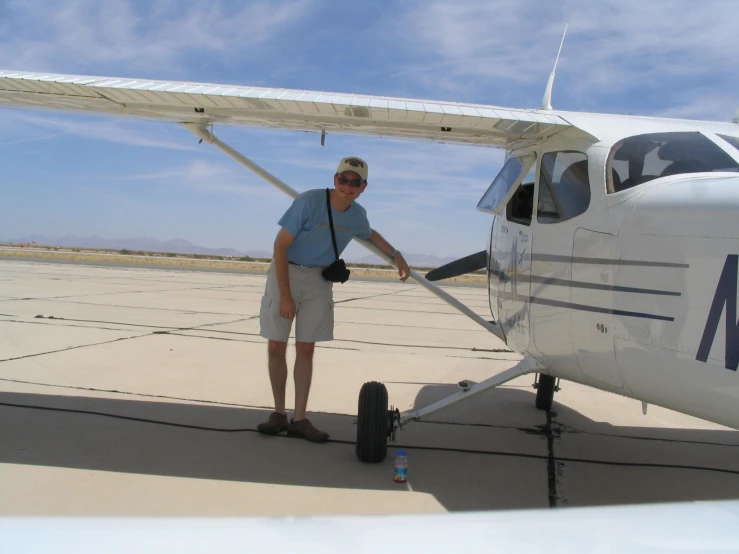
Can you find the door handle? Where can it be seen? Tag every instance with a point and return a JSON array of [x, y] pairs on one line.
[[504, 228]]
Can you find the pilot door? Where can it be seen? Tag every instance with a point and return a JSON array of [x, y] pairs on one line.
[[511, 199]]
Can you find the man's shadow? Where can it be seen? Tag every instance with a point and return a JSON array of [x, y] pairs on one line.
[[490, 452]]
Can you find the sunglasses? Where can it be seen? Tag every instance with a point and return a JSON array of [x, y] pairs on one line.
[[356, 183]]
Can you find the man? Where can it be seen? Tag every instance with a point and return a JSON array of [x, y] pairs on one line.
[[297, 290]]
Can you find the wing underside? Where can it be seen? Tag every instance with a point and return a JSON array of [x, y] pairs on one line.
[[183, 102]]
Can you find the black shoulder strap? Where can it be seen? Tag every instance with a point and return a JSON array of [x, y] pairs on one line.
[[331, 222]]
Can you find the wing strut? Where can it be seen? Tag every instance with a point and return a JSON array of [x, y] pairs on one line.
[[202, 132]]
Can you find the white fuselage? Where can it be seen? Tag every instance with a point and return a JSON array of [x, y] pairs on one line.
[[637, 294]]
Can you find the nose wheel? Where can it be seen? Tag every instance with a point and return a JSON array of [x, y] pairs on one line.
[[375, 424]]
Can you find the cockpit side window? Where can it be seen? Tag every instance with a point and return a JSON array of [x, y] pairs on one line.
[[520, 207], [642, 158], [734, 141], [564, 186]]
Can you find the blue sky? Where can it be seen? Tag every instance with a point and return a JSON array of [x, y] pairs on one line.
[[83, 175]]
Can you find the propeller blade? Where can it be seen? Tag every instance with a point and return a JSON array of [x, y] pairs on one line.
[[468, 264]]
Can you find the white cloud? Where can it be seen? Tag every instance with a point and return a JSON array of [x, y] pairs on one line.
[[86, 35], [105, 129], [207, 176], [612, 48], [48, 136], [703, 103], [418, 173]]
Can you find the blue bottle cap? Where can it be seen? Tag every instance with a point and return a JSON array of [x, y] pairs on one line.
[[401, 452]]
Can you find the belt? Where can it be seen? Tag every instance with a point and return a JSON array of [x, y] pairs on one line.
[[306, 266]]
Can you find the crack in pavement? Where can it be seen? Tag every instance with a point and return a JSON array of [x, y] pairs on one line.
[[71, 348], [454, 313], [55, 318], [112, 293], [553, 467], [261, 341], [179, 310], [172, 327], [144, 395], [352, 341], [172, 330], [483, 357], [165, 328], [256, 316], [65, 325], [367, 297], [223, 323], [158, 332], [95, 279], [480, 330], [428, 302], [569, 430], [427, 346]]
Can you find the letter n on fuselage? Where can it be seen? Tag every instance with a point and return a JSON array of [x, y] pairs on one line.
[[726, 295]]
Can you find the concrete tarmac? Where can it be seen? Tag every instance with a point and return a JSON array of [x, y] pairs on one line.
[[137, 391]]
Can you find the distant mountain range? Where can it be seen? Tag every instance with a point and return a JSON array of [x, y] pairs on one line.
[[181, 246]]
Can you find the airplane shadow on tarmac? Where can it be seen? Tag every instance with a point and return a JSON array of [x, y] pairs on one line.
[[494, 451]]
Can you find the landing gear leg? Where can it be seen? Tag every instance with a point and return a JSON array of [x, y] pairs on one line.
[[545, 386]]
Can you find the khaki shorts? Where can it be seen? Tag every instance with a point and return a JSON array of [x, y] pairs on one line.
[[314, 303]]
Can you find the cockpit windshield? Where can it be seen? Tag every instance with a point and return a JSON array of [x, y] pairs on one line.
[[642, 158], [500, 190]]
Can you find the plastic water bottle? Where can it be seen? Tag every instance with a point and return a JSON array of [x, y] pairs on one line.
[[401, 467]]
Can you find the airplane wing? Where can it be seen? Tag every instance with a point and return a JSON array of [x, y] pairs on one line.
[[197, 105], [710, 526], [206, 103]]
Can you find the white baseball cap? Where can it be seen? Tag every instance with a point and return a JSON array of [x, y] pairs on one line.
[[357, 165]]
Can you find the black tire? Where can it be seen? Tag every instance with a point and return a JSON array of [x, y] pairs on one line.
[[545, 392], [373, 423]]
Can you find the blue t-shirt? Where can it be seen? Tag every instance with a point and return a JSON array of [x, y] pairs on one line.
[[307, 221]]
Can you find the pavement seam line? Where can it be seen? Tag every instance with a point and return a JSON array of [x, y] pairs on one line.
[[72, 348], [67, 325], [576, 432], [180, 311], [368, 297], [551, 463]]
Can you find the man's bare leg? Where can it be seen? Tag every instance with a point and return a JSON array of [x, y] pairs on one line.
[[303, 375], [277, 363]]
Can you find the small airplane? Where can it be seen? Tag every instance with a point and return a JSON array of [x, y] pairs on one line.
[[613, 253]]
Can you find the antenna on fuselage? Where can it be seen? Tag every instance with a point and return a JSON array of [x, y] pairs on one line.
[[546, 103]]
